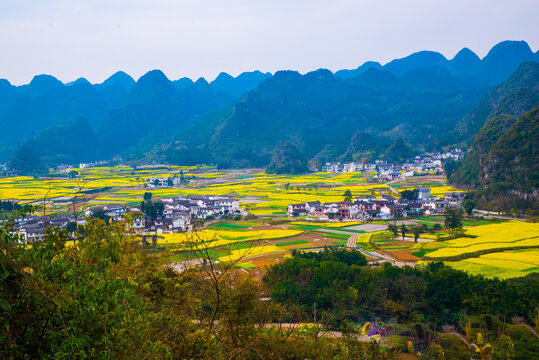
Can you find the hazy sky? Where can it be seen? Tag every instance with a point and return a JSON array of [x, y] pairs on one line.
[[95, 38]]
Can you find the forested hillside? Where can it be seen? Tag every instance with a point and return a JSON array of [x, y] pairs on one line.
[[502, 164], [124, 114], [518, 94], [317, 110], [66, 143], [502, 161]]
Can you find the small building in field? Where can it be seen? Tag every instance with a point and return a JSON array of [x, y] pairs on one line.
[[423, 193], [297, 209], [454, 198]]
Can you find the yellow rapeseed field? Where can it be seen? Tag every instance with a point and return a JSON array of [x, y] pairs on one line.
[[494, 236], [365, 238], [503, 265], [272, 192], [225, 237], [439, 191], [267, 212], [251, 252]]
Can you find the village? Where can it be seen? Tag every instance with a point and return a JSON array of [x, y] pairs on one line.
[[177, 214], [384, 171], [166, 215], [385, 208]]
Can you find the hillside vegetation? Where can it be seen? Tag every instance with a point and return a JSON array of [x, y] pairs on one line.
[[109, 296]]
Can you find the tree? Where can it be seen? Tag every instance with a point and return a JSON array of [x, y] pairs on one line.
[[182, 177], [416, 231], [403, 231], [170, 182], [159, 208], [410, 194], [71, 226], [468, 206], [79, 200], [453, 220], [286, 186], [152, 209], [347, 195], [101, 214], [147, 196], [393, 228], [73, 174]]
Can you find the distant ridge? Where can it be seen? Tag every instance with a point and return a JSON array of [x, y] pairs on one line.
[[416, 60], [155, 109], [501, 61], [79, 81], [119, 78], [347, 74], [237, 86], [41, 84], [465, 62], [183, 82]]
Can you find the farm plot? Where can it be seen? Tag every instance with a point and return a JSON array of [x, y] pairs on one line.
[[249, 252], [508, 235], [216, 238], [503, 265]]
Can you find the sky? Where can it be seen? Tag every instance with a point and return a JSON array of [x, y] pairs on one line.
[[95, 38]]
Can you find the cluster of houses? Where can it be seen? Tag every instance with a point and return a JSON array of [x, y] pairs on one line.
[[386, 207], [388, 171], [89, 165], [177, 214], [162, 181], [32, 228]]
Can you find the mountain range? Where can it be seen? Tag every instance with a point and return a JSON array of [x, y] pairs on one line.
[[417, 103], [493, 69]]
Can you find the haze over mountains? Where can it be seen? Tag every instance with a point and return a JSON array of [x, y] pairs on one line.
[[419, 101]]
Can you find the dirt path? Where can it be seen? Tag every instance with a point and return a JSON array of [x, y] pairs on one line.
[[352, 241], [184, 265], [392, 189]]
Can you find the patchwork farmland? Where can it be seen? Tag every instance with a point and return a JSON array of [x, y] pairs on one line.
[[265, 234]]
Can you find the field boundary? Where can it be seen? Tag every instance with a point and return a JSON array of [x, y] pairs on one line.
[[386, 253]]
